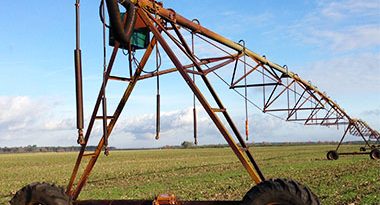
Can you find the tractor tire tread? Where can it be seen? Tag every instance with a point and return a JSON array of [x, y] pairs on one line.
[[273, 189], [44, 193]]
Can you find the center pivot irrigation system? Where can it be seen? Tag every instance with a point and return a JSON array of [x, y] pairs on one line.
[[147, 29]]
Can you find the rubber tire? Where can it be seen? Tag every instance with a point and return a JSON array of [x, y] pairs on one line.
[[41, 193], [332, 155], [280, 191], [375, 154]]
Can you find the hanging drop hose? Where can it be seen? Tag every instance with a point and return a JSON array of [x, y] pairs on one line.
[[78, 76], [104, 98], [101, 14], [122, 35], [158, 117], [158, 99], [245, 92], [194, 108]]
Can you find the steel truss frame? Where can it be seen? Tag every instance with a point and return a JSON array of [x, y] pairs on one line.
[[304, 102]]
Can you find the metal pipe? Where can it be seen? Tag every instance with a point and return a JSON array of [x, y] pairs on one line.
[[123, 35], [195, 129], [82, 181], [196, 28], [194, 97], [252, 172], [344, 135], [91, 123], [158, 99], [260, 176], [158, 116], [78, 74], [77, 23], [104, 98]]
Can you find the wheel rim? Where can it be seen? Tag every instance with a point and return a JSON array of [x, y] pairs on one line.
[[375, 154], [332, 155], [329, 155]]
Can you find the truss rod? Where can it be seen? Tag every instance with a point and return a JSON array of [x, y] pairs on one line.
[[111, 125], [196, 28], [252, 172]]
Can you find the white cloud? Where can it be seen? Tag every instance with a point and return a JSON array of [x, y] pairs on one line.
[[25, 120], [372, 117], [62, 124], [246, 20], [354, 37], [340, 26], [344, 75], [26, 113], [375, 112], [346, 35], [32, 121], [269, 129], [19, 112], [344, 9], [177, 124]]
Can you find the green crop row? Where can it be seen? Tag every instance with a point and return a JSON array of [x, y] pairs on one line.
[[200, 174]]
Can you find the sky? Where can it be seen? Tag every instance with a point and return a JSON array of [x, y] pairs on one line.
[[334, 44]]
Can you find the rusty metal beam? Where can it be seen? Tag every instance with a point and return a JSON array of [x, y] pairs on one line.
[[154, 8], [225, 113], [146, 9], [255, 85], [92, 121], [270, 70], [219, 65], [286, 109], [171, 70], [110, 126], [274, 69], [251, 171]]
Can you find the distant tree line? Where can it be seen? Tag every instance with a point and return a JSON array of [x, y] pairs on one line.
[[183, 145], [35, 148], [191, 145]]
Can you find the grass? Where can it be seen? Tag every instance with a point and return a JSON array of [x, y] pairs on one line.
[[200, 174]]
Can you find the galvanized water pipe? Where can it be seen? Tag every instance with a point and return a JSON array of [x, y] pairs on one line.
[[155, 8]]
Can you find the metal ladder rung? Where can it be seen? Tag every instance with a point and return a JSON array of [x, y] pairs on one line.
[[194, 72], [218, 109], [101, 117], [119, 78], [89, 154]]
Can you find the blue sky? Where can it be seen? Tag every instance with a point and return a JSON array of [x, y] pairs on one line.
[[335, 44]]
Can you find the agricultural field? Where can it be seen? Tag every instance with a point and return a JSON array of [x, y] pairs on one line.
[[199, 174]]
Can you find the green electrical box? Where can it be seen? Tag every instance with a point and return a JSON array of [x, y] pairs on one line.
[[140, 38]]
